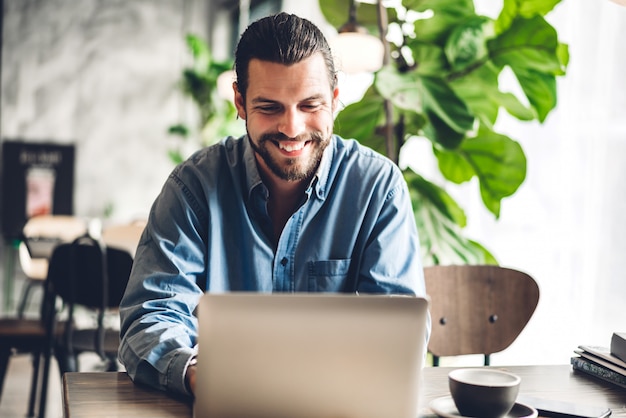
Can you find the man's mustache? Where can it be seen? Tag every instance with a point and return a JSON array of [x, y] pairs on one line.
[[275, 137]]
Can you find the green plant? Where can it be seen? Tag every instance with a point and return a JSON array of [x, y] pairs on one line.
[[443, 85], [217, 115]]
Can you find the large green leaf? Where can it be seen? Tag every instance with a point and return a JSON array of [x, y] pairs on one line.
[[540, 88], [430, 59], [439, 221], [403, 89], [360, 119], [336, 12], [454, 165], [467, 43], [446, 15], [529, 43], [457, 8], [525, 8], [449, 115], [480, 91], [413, 122], [531, 48], [497, 161]]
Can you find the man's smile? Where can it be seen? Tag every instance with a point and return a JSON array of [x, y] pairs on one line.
[[293, 148]]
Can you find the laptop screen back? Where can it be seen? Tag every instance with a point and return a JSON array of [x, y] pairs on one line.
[[309, 355]]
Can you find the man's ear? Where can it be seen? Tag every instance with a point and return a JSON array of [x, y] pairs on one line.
[[335, 99], [239, 102]]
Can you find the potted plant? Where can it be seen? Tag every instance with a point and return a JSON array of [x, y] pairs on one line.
[[442, 84], [217, 115]]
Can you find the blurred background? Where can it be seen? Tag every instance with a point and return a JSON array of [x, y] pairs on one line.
[[102, 75]]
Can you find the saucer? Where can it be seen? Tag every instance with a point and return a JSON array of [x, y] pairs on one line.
[[445, 408]]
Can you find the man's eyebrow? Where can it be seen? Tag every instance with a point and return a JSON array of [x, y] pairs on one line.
[[259, 100], [263, 100]]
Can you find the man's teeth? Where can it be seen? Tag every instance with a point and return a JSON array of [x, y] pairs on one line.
[[294, 146]]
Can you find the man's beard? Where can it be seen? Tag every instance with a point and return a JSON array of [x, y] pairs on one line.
[[292, 169]]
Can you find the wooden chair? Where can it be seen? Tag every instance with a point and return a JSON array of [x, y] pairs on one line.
[[477, 309], [29, 336]]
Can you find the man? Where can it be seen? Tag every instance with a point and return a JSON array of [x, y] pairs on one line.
[[289, 207]]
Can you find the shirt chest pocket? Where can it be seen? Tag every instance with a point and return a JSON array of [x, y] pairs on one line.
[[327, 275]]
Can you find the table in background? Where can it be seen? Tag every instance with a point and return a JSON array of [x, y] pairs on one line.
[[112, 394]]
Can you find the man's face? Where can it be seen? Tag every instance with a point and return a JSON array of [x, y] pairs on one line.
[[289, 115]]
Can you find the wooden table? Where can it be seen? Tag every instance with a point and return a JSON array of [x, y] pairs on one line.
[[95, 395]]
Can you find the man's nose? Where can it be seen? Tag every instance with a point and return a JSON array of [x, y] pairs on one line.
[[292, 123]]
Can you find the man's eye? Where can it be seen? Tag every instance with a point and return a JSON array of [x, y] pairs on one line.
[[311, 107], [268, 109]]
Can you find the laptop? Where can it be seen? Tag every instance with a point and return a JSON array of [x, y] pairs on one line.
[[309, 355]]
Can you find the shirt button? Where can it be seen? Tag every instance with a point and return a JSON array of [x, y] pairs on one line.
[[284, 261]]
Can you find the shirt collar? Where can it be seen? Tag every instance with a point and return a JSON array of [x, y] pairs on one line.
[[253, 178]]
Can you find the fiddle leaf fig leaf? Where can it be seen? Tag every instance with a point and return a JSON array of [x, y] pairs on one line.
[[497, 161], [467, 42], [430, 59], [454, 165], [525, 8], [540, 88], [515, 108], [562, 53], [451, 7], [360, 119], [336, 12], [530, 44], [439, 221], [446, 15], [480, 91], [449, 115], [401, 88], [531, 48]]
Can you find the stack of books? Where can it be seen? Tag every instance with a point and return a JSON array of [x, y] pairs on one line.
[[608, 364]]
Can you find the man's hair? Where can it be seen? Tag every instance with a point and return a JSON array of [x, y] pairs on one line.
[[284, 39]]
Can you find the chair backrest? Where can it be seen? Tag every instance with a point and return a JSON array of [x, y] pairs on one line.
[[86, 272], [478, 309]]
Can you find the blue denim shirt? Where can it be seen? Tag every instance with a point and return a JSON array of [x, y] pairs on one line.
[[209, 230]]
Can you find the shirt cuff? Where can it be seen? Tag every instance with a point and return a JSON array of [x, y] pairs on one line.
[[178, 370]]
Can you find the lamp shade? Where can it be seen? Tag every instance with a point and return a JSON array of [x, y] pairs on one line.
[[225, 85], [357, 52]]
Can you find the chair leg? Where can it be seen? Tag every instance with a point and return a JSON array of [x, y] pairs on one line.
[[111, 360], [34, 385], [5, 353], [43, 391], [487, 359], [67, 362]]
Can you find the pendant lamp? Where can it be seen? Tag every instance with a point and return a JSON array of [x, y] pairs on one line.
[[355, 50]]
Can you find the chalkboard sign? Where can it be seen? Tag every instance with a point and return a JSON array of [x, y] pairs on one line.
[[37, 179]]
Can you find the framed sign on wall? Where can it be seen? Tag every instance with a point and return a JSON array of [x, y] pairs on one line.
[[37, 179]]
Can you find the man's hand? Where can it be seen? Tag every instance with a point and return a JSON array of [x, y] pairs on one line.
[[190, 378]]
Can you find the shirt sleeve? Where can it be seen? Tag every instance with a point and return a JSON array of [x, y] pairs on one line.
[[158, 326]]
